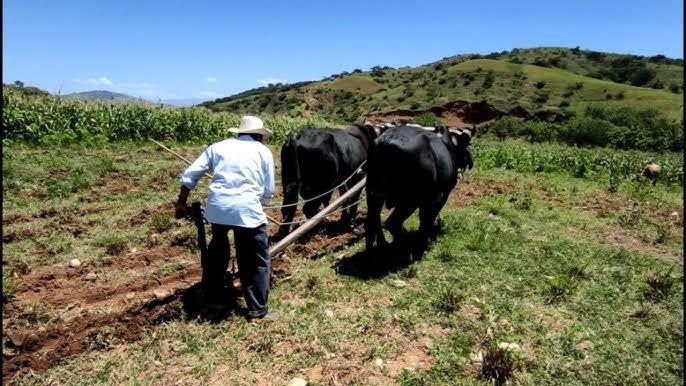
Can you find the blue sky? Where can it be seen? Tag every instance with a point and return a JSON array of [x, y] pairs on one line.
[[206, 49]]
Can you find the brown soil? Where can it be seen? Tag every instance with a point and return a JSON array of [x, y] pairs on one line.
[[144, 215], [623, 238], [40, 350], [143, 299], [467, 114], [469, 191]]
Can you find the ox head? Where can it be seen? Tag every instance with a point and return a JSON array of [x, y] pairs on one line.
[[365, 132], [460, 140]]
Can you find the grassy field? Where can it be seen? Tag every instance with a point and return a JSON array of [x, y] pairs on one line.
[[536, 277]]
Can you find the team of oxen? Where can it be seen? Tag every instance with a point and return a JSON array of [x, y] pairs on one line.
[[408, 167]]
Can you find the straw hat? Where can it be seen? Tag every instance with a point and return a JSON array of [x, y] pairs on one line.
[[251, 125]]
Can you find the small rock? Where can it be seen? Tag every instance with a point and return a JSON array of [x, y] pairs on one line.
[[107, 260], [131, 295], [153, 239], [585, 345], [378, 362], [134, 250], [297, 382], [398, 283], [91, 276], [16, 338], [74, 263], [160, 294], [328, 313], [509, 346]]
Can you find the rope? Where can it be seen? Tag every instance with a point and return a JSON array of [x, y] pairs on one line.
[[302, 220], [321, 195]]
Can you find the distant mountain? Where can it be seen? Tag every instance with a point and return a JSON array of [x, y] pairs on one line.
[[104, 96], [187, 102]]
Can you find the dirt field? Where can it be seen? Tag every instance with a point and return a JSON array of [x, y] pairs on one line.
[[532, 260]]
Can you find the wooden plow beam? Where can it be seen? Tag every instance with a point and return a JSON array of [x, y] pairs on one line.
[[316, 219]]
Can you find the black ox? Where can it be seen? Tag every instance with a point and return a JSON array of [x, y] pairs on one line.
[[315, 161], [409, 168]]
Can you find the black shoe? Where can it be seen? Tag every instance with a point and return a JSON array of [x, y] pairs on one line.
[[253, 318]]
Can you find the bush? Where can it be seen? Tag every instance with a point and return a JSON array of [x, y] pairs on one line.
[[539, 85], [564, 103], [642, 76], [488, 80], [673, 87], [427, 119], [587, 132]]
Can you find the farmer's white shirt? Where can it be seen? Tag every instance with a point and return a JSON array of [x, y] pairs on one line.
[[242, 176]]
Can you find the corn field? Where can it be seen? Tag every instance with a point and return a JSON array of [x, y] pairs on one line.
[[594, 163], [53, 121]]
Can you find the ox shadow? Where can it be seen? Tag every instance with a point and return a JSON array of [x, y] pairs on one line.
[[390, 258]]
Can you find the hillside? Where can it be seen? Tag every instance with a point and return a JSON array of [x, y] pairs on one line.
[[26, 91], [103, 96], [557, 80]]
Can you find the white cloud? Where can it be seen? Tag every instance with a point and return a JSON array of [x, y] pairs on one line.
[[268, 80], [101, 81], [211, 79]]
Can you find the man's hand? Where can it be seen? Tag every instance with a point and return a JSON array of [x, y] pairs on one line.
[[180, 207]]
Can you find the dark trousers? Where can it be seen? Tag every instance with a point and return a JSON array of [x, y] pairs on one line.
[[252, 254]]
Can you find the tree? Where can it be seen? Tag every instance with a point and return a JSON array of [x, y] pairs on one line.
[[642, 76], [19, 83]]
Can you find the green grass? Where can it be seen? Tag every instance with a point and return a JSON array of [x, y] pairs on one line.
[[529, 277]]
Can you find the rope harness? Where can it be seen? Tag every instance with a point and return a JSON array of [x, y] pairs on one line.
[[344, 183]]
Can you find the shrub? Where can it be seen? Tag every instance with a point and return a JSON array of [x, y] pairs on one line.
[[673, 87], [586, 132], [642, 76], [658, 285], [539, 85], [540, 98], [488, 80], [427, 119], [448, 300]]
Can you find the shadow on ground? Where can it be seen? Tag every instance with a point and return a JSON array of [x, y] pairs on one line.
[[194, 304], [388, 259]]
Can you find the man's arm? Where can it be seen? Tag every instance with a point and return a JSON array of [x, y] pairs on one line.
[[189, 180]]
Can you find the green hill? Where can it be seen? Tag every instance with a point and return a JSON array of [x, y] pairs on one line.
[[504, 81], [104, 96]]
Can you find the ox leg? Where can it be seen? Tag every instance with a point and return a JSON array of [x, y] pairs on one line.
[[395, 221], [313, 207], [427, 217], [373, 232], [290, 196], [348, 215]]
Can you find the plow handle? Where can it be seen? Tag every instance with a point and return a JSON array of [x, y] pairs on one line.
[[195, 214]]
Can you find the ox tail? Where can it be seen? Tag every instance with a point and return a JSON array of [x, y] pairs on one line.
[[290, 181]]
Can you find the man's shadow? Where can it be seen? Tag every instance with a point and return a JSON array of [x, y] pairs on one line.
[[195, 306]]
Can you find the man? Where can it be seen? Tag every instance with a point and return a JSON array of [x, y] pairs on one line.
[[242, 176]]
